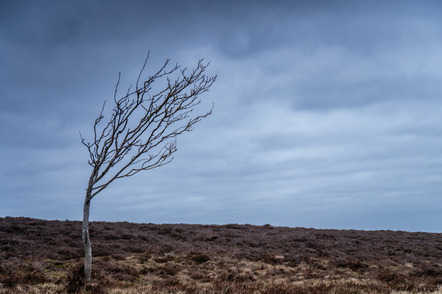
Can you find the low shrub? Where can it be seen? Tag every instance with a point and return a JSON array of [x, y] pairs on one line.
[[198, 258], [75, 278]]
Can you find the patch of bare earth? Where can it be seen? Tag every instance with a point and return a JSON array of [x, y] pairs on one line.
[[40, 256]]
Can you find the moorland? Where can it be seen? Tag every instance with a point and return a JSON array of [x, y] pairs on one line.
[[40, 256]]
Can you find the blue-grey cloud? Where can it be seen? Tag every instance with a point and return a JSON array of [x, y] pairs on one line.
[[327, 113]]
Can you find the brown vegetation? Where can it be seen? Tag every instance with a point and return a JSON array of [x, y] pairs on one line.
[[39, 256]]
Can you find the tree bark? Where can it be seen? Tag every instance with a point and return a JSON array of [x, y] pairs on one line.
[[86, 240]]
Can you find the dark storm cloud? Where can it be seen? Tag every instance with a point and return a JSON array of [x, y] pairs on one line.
[[47, 44]]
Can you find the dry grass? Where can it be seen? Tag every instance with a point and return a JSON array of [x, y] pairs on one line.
[[45, 257]]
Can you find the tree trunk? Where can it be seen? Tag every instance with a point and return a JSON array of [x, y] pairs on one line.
[[86, 240]]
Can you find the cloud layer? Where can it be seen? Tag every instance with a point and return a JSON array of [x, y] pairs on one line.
[[327, 114]]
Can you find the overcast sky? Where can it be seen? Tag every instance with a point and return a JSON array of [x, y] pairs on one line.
[[328, 114]]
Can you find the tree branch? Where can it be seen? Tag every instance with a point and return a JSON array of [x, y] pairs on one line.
[[141, 132]]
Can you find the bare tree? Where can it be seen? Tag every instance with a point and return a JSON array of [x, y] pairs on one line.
[[141, 132]]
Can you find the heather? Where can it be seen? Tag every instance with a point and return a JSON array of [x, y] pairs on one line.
[[39, 256]]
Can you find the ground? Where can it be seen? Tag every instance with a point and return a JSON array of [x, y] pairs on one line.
[[39, 256]]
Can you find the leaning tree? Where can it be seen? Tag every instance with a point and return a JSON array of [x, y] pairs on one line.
[[141, 131]]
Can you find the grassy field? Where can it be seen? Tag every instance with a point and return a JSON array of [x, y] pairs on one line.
[[40, 256]]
